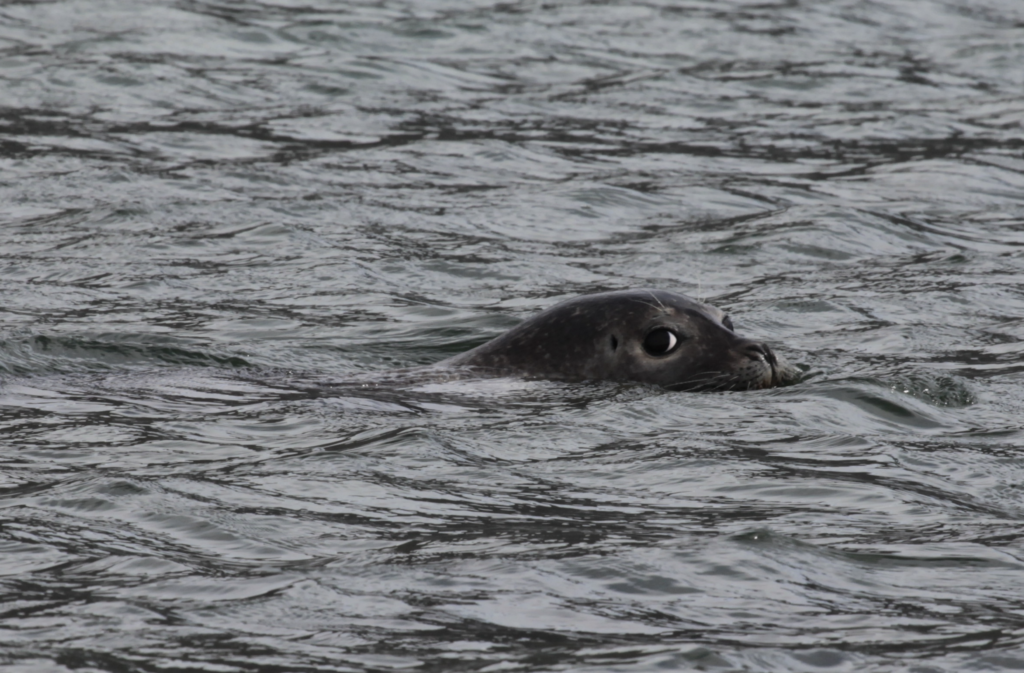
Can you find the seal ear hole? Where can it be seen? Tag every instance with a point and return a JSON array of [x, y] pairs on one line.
[[615, 343], [660, 341]]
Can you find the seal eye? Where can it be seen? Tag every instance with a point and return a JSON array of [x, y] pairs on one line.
[[660, 341], [727, 322]]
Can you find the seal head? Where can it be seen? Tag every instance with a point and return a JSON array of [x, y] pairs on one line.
[[647, 336]]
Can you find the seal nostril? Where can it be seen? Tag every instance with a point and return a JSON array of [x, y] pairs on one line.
[[758, 351]]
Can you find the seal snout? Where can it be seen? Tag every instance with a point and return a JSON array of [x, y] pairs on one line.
[[759, 351]]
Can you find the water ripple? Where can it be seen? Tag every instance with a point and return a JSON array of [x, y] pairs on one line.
[[223, 221]]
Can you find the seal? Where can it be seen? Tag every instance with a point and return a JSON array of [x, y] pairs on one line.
[[646, 336]]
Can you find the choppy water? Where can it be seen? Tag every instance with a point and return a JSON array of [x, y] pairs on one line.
[[210, 210]]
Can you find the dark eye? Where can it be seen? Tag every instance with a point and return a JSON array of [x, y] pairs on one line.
[[727, 321], [660, 341]]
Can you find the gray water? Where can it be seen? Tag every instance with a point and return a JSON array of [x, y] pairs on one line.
[[214, 213]]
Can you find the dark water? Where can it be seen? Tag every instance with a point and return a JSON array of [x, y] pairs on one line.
[[213, 210]]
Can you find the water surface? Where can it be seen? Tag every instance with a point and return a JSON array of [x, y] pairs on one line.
[[212, 212]]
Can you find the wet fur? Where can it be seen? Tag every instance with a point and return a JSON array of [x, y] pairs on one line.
[[600, 336]]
